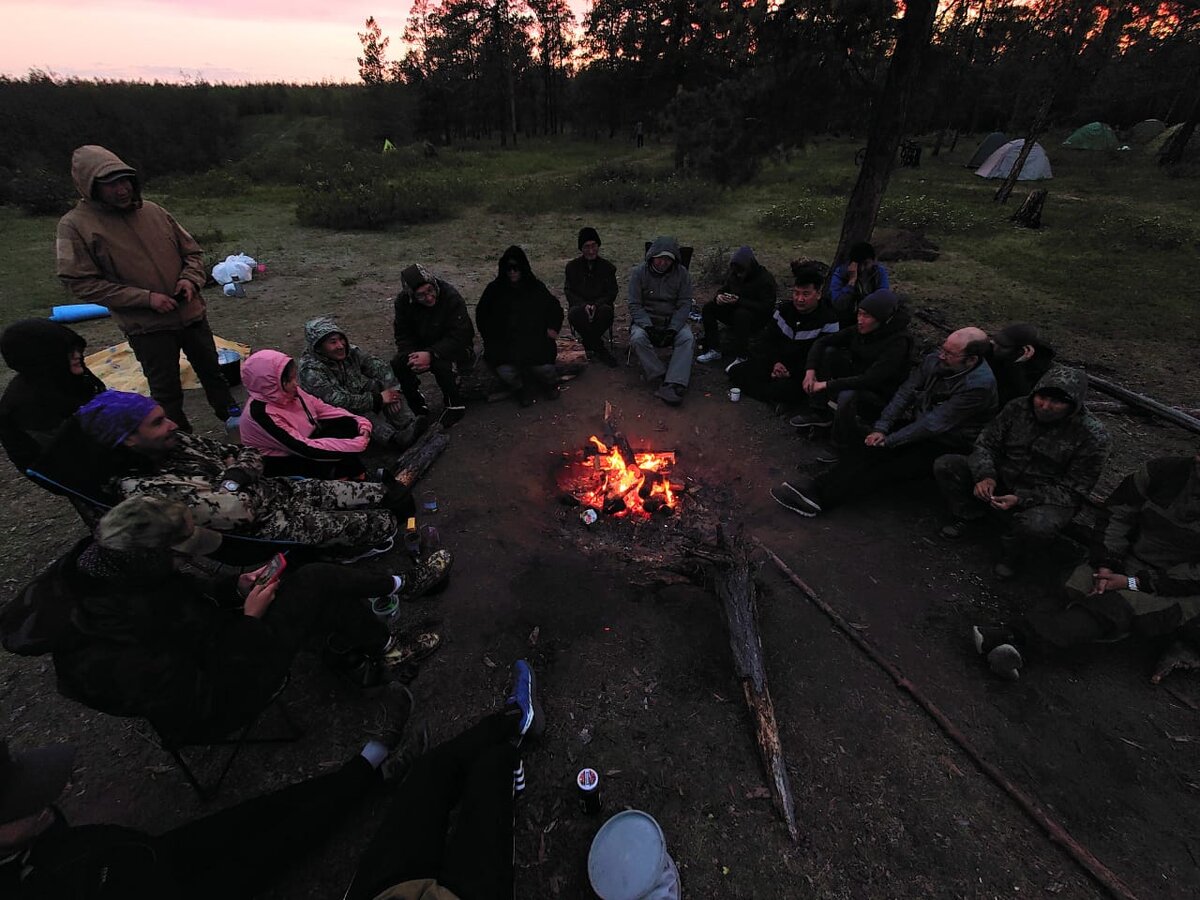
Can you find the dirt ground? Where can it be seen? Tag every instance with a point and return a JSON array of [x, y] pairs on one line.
[[638, 684]]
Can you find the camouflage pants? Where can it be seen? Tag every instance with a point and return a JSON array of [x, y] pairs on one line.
[[389, 429], [328, 513]]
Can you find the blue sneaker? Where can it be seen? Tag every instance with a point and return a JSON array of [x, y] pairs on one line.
[[523, 696]]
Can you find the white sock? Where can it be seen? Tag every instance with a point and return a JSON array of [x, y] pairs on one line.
[[397, 583], [375, 753]]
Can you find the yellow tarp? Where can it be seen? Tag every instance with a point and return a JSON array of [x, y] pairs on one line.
[[119, 369]]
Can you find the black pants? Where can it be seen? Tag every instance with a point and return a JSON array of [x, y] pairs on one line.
[[158, 353], [754, 378], [445, 373], [865, 470], [591, 331], [299, 466], [239, 852], [325, 599], [742, 323], [474, 772], [855, 414]]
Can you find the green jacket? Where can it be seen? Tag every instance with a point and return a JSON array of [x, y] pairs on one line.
[[355, 383], [1055, 463]]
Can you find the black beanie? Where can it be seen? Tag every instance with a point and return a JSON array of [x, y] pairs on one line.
[[588, 234], [881, 304], [1019, 335]]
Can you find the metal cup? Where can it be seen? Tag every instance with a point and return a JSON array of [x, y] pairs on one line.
[[735, 395]]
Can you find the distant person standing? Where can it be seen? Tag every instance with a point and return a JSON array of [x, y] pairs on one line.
[[639, 132], [130, 255]]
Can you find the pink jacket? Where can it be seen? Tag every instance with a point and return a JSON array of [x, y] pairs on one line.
[[276, 424]]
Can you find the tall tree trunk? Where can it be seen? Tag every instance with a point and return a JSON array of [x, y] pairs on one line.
[[1035, 131], [1172, 151], [887, 125]]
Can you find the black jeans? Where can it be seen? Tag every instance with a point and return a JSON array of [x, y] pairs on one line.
[[158, 353], [864, 470], [474, 772], [591, 331], [742, 323], [325, 599], [754, 378], [445, 372]]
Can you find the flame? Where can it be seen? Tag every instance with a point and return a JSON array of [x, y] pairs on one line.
[[617, 480]]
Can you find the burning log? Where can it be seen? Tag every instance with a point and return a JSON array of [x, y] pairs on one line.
[[416, 460]]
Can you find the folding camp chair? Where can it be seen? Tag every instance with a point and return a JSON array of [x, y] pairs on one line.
[[685, 260]]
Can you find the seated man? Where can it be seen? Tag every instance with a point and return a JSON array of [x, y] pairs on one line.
[[859, 368], [343, 375], [1143, 579], [855, 279], [590, 285], [779, 357], [122, 444], [433, 333], [1019, 359], [744, 302], [660, 299], [52, 381], [297, 433], [1033, 465], [519, 321], [940, 409]]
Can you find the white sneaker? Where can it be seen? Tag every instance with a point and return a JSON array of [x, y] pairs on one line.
[[709, 356], [737, 362]]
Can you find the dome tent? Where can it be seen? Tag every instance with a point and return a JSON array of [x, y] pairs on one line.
[[986, 148], [1092, 136], [1000, 163], [1145, 131]]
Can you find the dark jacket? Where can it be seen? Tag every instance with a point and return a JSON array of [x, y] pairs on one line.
[[44, 393], [756, 290], [933, 405], [660, 301], [513, 318], [444, 329], [845, 297], [790, 336], [1017, 379], [879, 361], [1044, 462], [591, 283]]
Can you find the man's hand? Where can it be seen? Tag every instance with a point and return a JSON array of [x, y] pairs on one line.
[[875, 439], [187, 288], [984, 489], [161, 303], [246, 581], [779, 370], [420, 361], [724, 298], [394, 408], [810, 378], [388, 396], [851, 272], [258, 601], [552, 334], [364, 428], [1003, 502], [1105, 579]]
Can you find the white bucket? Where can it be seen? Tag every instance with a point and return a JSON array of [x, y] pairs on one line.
[[629, 860]]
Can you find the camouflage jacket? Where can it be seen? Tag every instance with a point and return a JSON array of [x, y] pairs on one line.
[[355, 383], [1044, 462]]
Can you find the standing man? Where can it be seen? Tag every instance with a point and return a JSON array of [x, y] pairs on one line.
[[660, 298], [744, 302], [130, 255], [433, 333], [591, 289]]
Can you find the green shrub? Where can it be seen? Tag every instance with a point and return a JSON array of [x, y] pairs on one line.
[[923, 213], [799, 215], [1146, 232], [42, 193], [226, 182]]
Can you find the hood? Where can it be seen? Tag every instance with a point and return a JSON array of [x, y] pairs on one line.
[[744, 257], [261, 374], [663, 244], [91, 161], [39, 347], [416, 276], [316, 330], [514, 254], [1072, 382]]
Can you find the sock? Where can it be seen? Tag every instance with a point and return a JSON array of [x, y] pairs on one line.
[[375, 753], [397, 583]]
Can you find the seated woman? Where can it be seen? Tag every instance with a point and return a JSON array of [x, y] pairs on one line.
[[132, 636], [297, 433], [52, 382]]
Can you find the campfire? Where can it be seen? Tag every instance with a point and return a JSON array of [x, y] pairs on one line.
[[615, 480]]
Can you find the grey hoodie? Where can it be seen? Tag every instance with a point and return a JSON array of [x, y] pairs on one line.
[[660, 301]]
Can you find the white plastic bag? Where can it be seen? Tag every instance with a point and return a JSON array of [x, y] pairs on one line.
[[240, 265]]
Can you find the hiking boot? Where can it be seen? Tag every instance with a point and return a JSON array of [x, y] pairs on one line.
[[605, 356], [523, 697], [402, 650], [709, 356], [738, 360], [377, 550], [424, 576], [670, 394], [956, 530], [814, 419], [790, 497]]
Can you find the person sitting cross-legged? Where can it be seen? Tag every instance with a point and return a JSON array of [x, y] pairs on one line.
[[590, 286], [744, 302], [1143, 579], [940, 409], [782, 354], [1032, 466], [660, 300]]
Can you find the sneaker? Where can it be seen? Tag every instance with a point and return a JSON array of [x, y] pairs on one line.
[[790, 497], [709, 356], [1006, 662], [820, 419], [694, 315], [401, 650], [400, 763], [452, 415], [524, 697], [829, 456], [519, 779], [425, 575], [736, 362], [378, 550], [605, 356], [396, 708], [670, 394], [956, 530]]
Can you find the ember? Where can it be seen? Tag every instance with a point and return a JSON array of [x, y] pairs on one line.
[[620, 482]]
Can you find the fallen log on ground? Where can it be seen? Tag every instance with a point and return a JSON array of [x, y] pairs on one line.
[[416, 460]]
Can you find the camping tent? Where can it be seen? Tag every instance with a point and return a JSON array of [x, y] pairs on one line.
[[1000, 163], [1191, 152], [1145, 131], [1093, 136], [986, 148]]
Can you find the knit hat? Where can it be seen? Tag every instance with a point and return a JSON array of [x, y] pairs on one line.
[[881, 304], [112, 416], [588, 234], [417, 275], [144, 522], [1019, 335], [31, 781]]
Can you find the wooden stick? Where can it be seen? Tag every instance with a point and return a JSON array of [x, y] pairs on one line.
[[417, 459]]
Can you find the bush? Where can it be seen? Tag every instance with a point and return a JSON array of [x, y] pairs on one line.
[[608, 187], [226, 182], [42, 193], [799, 215], [922, 214]]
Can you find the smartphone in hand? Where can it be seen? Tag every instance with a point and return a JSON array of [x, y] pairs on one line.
[[273, 571]]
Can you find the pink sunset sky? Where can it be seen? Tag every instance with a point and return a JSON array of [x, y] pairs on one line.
[[178, 40]]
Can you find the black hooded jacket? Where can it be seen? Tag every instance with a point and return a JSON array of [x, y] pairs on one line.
[[879, 361], [44, 393], [513, 318]]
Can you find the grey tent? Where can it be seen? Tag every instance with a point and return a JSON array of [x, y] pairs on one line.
[[1157, 145], [986, 148], [1000, 163], [1145, 131]]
